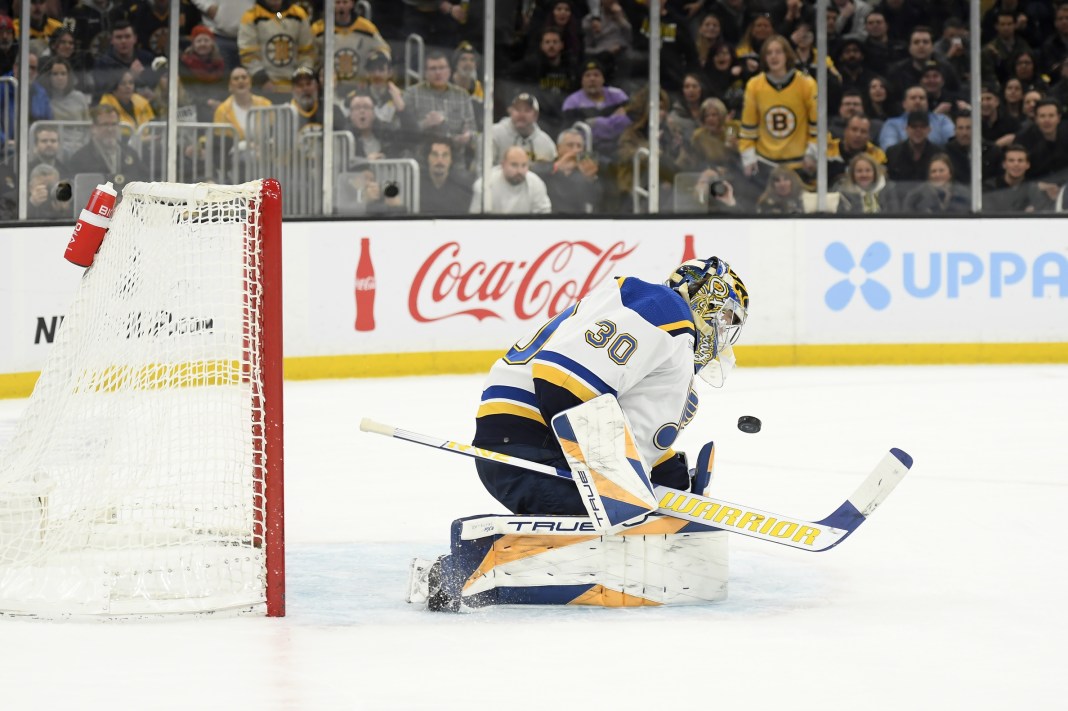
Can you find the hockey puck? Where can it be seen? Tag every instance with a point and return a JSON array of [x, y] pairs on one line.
[[749, 424]]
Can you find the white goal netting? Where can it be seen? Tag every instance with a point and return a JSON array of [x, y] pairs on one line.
[[134, 483]]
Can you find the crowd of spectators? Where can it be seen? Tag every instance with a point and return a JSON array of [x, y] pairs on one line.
[[738, 104]]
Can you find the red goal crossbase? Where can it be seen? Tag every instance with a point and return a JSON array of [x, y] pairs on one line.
[[146, 475]]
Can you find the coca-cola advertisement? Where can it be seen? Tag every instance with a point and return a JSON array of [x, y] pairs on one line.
[[365, 288], [418, 287]]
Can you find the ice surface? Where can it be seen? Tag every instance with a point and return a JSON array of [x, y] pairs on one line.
[[951, 596]]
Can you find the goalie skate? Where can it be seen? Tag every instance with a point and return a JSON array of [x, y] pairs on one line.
[[419, 581], [425, 586]]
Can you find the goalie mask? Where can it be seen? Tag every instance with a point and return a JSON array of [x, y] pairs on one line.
[[720, 302]]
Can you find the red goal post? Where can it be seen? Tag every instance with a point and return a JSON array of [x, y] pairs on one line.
[[145, 476]]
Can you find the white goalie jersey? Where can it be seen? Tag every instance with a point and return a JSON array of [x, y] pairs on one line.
[[630, 338]]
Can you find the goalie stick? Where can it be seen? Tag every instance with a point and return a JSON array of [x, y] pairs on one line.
[[748, 521]]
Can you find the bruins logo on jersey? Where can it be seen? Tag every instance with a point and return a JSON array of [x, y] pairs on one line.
[[346, 64], [780, 121], [281, 50]]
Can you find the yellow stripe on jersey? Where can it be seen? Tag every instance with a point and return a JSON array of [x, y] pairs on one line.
[[510, 408], [561, 378], [678, 324]]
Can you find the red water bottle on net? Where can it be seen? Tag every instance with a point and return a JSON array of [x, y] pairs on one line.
[[688, 251], [365, 288], [92, 225]]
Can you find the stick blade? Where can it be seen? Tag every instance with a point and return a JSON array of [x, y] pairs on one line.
[[872, 492]]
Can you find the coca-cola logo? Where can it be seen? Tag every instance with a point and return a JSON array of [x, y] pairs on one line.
[[565, 272], [365, 283]]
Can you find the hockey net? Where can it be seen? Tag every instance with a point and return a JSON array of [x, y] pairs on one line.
[[144, 477]]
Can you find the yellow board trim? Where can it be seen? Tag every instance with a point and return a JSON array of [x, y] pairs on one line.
[[390, 365]]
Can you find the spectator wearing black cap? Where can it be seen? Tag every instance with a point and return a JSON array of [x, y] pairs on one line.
[[594, 98], [306, 101], [906, 162], [894, 130], [1012, 192], [465, 73], [387, 96], [940, 100], [849, 61], [520, 128]]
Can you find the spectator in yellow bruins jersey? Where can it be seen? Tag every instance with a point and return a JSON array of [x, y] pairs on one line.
[[41, 25], [778, 113], [234, 110], [274, 40], [355, 37], [133, 108]]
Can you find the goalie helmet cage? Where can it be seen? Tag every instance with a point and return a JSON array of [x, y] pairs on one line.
[[145, 475]]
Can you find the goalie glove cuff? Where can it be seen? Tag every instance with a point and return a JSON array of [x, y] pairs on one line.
[[701, 474], [672, 472]]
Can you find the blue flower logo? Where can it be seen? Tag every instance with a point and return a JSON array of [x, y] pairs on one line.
[[841, 293]]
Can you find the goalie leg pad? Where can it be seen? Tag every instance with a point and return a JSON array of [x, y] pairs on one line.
[[564, 560]]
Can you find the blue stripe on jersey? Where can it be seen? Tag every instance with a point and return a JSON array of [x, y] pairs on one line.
[[658, 305], [582, 372], [507, 392]]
